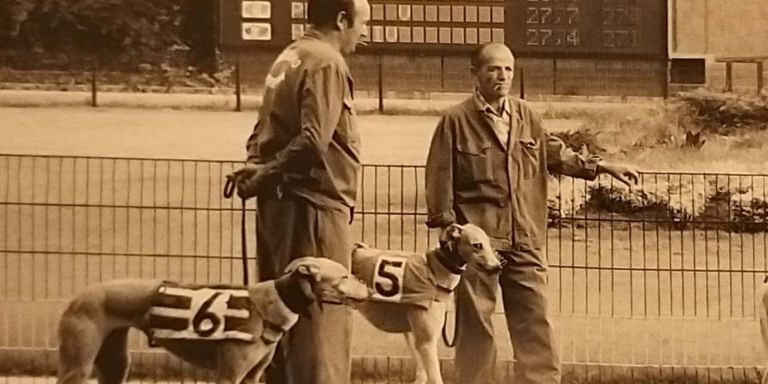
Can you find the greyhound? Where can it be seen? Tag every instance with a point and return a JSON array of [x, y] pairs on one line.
[[231, 330], [410, 290]]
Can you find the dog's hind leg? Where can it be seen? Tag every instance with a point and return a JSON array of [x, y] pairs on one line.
[[113, 361], [421, 373], [79, 343]]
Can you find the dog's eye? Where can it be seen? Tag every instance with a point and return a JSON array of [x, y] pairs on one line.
[[477, 246]]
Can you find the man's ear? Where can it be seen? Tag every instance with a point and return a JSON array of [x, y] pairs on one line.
[[473, 70], [343, 20]]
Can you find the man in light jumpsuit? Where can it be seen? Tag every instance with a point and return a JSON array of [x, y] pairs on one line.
[[488, 165]]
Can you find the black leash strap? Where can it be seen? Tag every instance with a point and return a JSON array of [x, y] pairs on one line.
[[451, 343], [229, 191]]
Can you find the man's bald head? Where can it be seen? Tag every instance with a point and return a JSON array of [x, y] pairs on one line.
[[493, 67], [490, 50]]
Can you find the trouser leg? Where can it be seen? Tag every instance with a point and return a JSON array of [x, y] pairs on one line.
[[475, 360], [525, 306], [316, 350]]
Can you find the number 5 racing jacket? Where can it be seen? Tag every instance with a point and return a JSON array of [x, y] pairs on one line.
[[404, 277]]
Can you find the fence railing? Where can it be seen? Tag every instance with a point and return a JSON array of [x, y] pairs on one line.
[[658, 281]]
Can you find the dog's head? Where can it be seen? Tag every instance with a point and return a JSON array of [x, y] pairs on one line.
[[328, 281], [472, 245]]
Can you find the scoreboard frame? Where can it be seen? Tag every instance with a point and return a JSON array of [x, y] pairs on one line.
[[620, 29]]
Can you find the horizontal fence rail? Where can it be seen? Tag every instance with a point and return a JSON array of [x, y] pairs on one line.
[[660, 280]]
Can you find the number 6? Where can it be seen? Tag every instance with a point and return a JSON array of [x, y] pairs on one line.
[[199, 324]]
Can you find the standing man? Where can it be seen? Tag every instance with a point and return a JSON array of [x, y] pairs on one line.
[[487, 165], [304, 161]]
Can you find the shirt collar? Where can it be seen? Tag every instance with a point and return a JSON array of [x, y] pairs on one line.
[[483, 105]]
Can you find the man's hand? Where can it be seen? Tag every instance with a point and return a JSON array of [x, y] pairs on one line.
[[621, 172], [248, 180]]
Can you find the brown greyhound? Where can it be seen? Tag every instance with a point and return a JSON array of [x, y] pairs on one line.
[[232, 330]]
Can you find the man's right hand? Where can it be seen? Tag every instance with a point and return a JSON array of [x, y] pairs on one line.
[[248, 180]]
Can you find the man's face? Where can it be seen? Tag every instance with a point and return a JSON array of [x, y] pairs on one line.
[[495, 73], [353, 33]]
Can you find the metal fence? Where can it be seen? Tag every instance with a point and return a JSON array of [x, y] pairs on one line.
[[657, 283]]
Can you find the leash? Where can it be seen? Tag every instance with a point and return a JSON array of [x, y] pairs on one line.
[[229, 191]]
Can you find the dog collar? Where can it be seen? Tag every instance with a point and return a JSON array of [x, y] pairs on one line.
[[296, 293], [452, 263]]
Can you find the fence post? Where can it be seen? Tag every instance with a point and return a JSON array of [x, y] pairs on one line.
[[238, 87], [522, 83], [381, 86], [94, 83], [554, 76], [729, 76], [442, 72]]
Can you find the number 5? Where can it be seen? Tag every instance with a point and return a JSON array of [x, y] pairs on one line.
[[388, 270]]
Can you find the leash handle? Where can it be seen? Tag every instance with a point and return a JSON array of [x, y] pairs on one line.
[[229, 187], [444, 332]]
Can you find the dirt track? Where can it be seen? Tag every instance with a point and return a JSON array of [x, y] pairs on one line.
[[189, 134]]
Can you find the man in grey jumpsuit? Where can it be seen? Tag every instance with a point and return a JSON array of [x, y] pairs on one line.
[[304, 162], [488, 165]]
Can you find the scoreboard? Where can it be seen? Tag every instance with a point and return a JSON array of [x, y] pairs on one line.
[[594, 27], [574, 28]]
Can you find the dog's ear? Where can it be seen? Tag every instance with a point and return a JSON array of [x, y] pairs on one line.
[[450, 235], [306, 266], [310, 269]]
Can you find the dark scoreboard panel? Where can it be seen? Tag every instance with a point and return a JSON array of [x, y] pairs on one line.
[[530, 27]]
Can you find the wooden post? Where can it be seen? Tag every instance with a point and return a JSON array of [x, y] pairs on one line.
[[729, 76], [238, 87], [381, 86], [94, 82], [442, 72], [760, 78], [554, 76]]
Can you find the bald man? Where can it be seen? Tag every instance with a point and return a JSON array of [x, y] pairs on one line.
[[488, 165]]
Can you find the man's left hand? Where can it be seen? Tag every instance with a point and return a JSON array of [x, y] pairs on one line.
[[621, 172]]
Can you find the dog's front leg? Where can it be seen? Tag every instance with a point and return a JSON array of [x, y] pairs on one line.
[[425, 329], [421, 373]]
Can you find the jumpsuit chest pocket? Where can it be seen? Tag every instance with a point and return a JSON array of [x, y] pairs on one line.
[[474, 163], [346, 131], [529, 157]]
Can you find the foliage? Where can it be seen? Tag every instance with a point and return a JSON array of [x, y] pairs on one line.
[[67, 33], [693, 201], [583, 140], [725, 113]]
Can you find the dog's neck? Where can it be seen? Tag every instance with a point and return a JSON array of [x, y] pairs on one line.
[[451, 260], [296, 292]]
